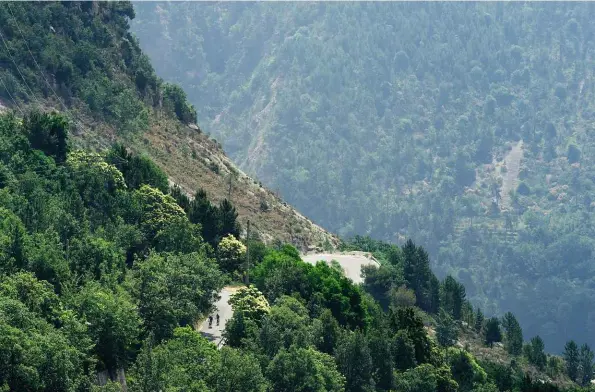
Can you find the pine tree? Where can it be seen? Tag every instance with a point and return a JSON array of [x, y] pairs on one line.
[[407, 319], [355, 362], [417, 273], [326, 332], [514, 334], [492, 333], [202, 212], [434, 295], [586, 364], [446, 330], [180, 197], [535, 353], [382, 359], [227, 217], [479, 320], [468, 315], [48, 133], [571, 356], [403, 351], [453, 297]]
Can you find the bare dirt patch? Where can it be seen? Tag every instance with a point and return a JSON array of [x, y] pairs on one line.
[[350, 262], [510, 178]]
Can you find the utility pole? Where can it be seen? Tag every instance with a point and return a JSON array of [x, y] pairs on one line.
[[247, 266]]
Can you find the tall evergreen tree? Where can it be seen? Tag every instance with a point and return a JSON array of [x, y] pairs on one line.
[[492, 331], [514, 334], [228, 216], [137, 169], [406, 319], [202, 212], [48, 133], [403, 351], [434, 295], [535, 352], [468, 315], [446, 329], [180, 197], [453, 297], [572, 358], [479, 320], [586, 364], [382, 359], [417, 273], [355, 362], [326, 332]]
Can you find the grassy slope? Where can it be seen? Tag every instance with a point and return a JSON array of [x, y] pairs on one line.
[[189, 156]]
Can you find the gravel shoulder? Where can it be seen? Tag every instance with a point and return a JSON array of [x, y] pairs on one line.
[[351, 262]]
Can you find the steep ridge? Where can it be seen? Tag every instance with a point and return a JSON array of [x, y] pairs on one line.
[[192, 160], [107, 86]]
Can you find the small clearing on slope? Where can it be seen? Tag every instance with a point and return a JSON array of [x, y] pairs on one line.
[[350, 262], [510, 178]]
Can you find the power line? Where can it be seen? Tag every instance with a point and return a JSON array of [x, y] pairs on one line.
[[33, 57], [75, 120], [10, 95], [17, 67]]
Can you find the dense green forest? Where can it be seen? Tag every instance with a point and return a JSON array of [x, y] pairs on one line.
[[106, 270], [465, 126], [81, 57]]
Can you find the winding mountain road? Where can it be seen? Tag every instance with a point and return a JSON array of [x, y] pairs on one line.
[[215, 333], [350, 262]]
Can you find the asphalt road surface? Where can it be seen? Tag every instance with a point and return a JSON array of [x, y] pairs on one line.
[[351, 262], [223, 307]]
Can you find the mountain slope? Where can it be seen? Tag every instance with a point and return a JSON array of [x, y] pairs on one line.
[[394, 120], [100, 77], [104, 278], [192, 160], [103, 275]]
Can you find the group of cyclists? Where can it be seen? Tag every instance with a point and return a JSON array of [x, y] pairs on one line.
[[211, 320]]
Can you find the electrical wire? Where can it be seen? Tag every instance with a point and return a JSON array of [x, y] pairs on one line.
[[33, 57], [18, 69], [11, 97], [70, 114]]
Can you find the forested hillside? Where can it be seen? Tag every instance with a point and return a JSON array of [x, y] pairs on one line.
[[105, 271], [80, 58], [466, 126], [107, 268]]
